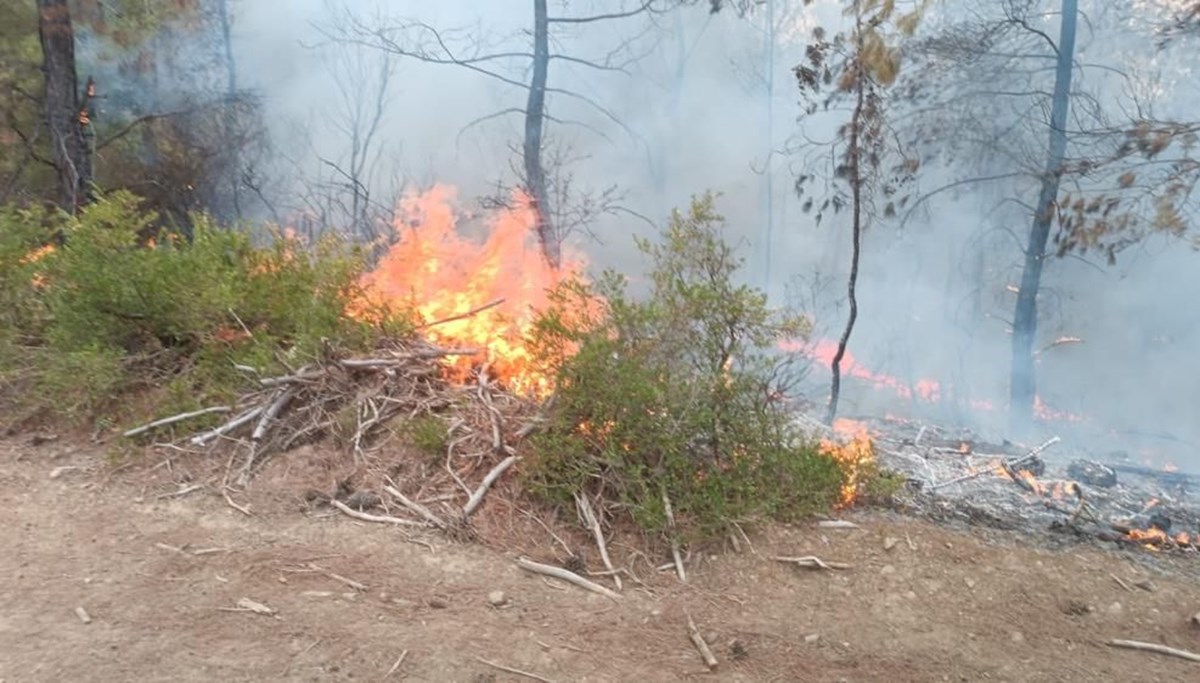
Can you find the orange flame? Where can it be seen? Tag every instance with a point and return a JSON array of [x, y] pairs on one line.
[[822, 351], [854, 452], [447, 278]]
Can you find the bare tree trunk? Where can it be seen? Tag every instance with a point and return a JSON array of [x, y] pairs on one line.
[[535, 119], [231, 93], [853, 156], [1023, 383], [66, 115]]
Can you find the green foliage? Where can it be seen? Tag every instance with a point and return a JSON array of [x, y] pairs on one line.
[[427, 433], [122, 306], [673, 395]]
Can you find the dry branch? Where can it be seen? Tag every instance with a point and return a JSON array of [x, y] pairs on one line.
[[710, 659], [462, 316], [477, 497], [356, 585], [416, 507], [566, 575], [1155, 647], [812, 562], [272, 412], [201, 439], [1007, 464], [175, 418], [588, 516], [367, 517]]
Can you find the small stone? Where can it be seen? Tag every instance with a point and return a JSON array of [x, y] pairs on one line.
[[1115, 608], [437, 603], [1195, 620], [317, 594], [890, 542], [497, 599], [887, 569], [1017, 637], [970, 582], [1146, 585], [812, 638], [83, 615], [911, 595]]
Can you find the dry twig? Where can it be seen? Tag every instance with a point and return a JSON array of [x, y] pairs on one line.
[[399, 661], [462, 316], [675, 556], [588, 516], [1122, 583], [416, 507], [1007, 464], [511, 670], [367, 517], [566, 575], [477, 497], [1155, 647], [175, 418], [240, 508], [812, 562], [710, 659]]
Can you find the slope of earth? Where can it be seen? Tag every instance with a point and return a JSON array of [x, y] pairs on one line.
[[159, 579]]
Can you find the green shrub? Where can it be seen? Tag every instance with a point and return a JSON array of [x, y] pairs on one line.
[[673, 395], [123, 305]]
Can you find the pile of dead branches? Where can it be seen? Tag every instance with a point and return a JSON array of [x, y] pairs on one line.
[[363, 403]]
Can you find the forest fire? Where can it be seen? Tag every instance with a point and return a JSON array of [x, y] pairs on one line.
[[470, 293], [854, 452], [926, 390]]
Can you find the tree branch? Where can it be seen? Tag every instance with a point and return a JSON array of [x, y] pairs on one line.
[[646, 6]]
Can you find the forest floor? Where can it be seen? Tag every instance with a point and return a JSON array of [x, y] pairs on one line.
[[106, 579]]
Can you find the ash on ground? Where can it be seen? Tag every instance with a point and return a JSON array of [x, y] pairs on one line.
[[1056, 491]]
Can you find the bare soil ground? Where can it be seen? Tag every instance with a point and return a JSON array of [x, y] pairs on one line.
[[939, 605]]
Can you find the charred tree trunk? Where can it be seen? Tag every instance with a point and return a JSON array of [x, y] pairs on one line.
[[535, 123], [67, 117], [1023, 383], [853, 157]]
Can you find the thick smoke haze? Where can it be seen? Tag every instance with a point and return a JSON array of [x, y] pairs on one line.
[[701, 108]]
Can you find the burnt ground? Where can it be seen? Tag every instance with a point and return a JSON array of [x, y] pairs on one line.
[[157, 574]]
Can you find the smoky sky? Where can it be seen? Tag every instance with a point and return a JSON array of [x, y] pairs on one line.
[[703, 108]]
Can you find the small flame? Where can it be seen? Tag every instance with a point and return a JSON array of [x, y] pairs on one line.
[[854, 451]]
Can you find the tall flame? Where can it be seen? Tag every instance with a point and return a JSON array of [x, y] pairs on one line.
[[478, 293]]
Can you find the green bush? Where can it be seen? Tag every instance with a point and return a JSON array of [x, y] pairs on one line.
[[673, 395], [122, 305]]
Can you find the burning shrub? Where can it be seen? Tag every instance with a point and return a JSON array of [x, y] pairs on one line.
[[174, 317], [674, 397]]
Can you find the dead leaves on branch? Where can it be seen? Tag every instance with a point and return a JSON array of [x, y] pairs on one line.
[[1147, 194]]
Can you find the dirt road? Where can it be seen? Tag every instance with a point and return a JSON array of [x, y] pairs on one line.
[[159, 579]]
